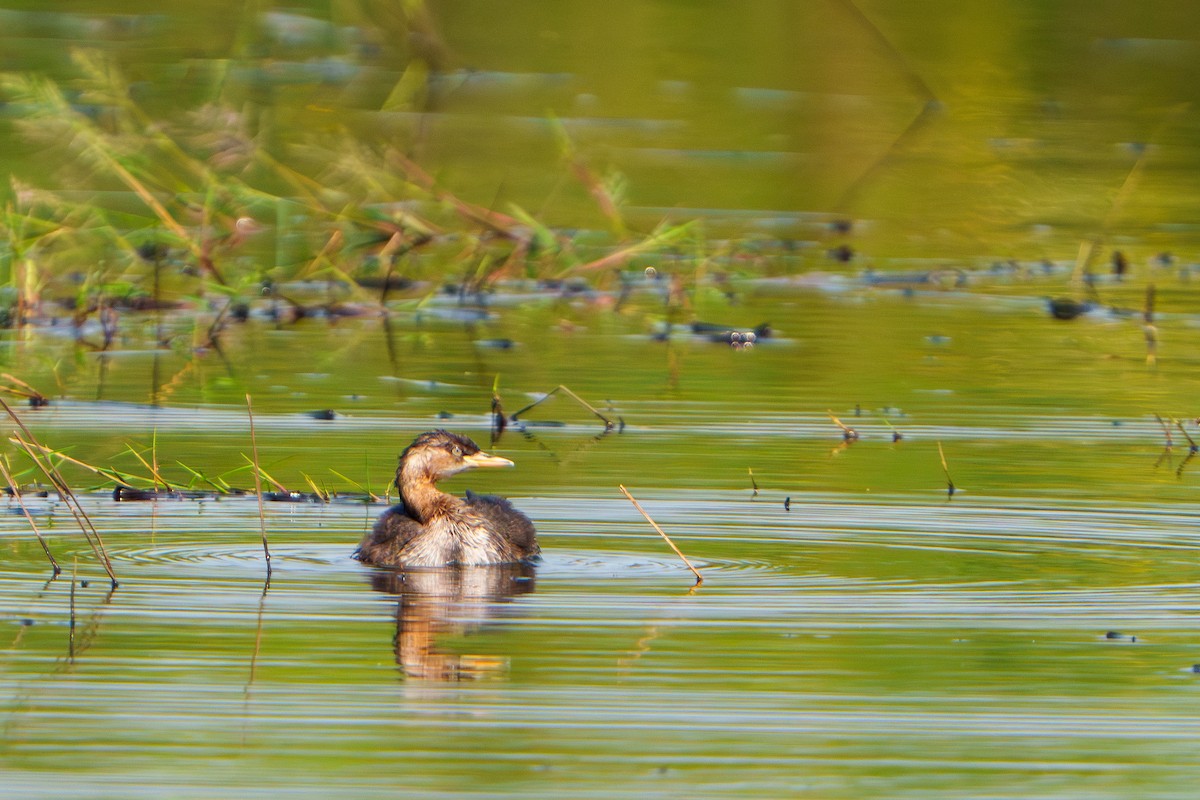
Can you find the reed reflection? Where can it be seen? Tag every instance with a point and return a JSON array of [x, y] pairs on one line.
[[435, 604]]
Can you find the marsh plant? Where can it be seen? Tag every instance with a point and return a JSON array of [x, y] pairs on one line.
[[213, 208]]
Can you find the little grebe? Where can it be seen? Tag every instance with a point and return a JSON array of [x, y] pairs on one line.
[[429, 528]]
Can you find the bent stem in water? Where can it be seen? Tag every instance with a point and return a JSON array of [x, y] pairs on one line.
[[678, 552], [262, 520], [56, 480], [16, 492]]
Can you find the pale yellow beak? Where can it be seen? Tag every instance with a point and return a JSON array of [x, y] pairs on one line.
[[482, 459]]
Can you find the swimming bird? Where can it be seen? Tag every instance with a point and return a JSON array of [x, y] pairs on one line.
[[429, 528]]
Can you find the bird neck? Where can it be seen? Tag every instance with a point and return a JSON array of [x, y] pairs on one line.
[[418, 489]]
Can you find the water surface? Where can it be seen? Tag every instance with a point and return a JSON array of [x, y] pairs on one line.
[[1029, 636]]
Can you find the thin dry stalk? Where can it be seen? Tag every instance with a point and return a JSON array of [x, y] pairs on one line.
[[22, 389], [753, 483], [71, 635], [500, 224], [72, 503], [262, 519], [950, 488], [1166, 431], [660, 238], [678, 552], [12, 485]]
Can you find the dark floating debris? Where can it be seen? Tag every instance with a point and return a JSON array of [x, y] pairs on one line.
[[896, 434], [1069, 308], [738, 339], [389, 282], [496, 344], [128, 494], [787, 504], [290, 497], [326, 414], [843, 253]]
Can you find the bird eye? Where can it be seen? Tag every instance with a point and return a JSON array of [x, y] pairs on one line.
[[457, 451]]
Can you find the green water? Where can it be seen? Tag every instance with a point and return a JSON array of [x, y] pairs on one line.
[[878, 639]]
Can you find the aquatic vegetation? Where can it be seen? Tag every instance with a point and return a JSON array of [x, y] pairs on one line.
[[200, 205]]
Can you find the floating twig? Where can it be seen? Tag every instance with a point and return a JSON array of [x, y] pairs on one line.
[[848, 433], [1193, 448], [678, 552], [753, 483], [608, 423], [262, 519], [16, 492], [950, 488]]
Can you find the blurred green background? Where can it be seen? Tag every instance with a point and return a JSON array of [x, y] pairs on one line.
[[942, 129]]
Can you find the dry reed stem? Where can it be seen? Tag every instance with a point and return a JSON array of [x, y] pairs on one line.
[[262, 519], [70, 501], [12, 485], [71, 635], [60, 485], [678, 552], [950, 487], [22, 389]]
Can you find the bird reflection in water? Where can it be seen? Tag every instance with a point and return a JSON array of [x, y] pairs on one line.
[[436, 604]]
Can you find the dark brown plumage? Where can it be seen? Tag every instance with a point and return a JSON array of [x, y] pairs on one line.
[[430, 528]]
